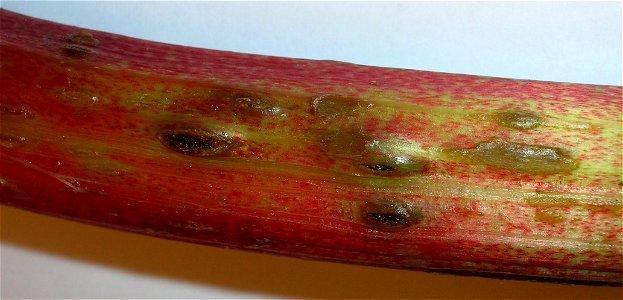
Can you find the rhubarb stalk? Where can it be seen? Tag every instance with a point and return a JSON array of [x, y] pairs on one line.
[[313, 159]]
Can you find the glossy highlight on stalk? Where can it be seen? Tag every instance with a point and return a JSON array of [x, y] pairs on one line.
[[313, 159]]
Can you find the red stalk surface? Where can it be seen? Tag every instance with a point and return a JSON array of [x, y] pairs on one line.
[[313, 159]]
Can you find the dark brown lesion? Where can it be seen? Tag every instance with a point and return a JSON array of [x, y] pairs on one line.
[[384, 164], [380, 167], [197, 142], [79, 45], [76, 51], [83, 38], [389, 214], [549, 215], [526, 158], [518, 119], [361, 150]]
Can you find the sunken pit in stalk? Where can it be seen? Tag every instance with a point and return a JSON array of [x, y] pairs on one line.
[[420, 170], [197, 142]]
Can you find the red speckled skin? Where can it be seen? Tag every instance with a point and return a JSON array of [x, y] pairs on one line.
[[79, 140]]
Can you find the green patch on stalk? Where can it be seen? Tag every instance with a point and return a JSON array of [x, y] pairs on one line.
[[81, 96], [158, 98], [94, 156], [409, 148], [106, 166]]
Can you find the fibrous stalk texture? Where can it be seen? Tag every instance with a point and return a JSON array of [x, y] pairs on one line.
[[313, 159]]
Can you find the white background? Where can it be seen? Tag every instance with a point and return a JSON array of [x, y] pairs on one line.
[[579, 42]]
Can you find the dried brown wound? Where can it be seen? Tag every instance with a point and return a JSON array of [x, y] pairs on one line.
[[389, 215], [83, 38], [197, 142], [534, 159], [76, 51], [549, 215]]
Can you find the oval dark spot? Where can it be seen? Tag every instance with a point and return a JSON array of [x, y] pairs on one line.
[[535, 159], [382, 164], [359, 149], [380, 167], [197, 142], [386, 218], [389, 215], [76, 51], [83, 38], [518, 119], [331, 105]]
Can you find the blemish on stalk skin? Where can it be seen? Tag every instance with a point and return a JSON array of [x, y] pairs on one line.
[[345, 143], [533, 159], [379, 167], [10, 141], [548, 215], [389, 215], [79, 45], [355, 146], [16, 111], [197, 142], [548, 209], [83, 38], [554, 205], [392, 165], [332, 105], [518, 119], [76, 51], [250, 103]]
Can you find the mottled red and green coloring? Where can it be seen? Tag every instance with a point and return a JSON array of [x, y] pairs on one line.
[[313, 159]]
